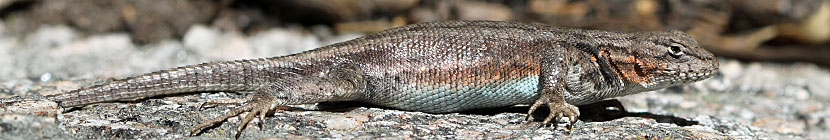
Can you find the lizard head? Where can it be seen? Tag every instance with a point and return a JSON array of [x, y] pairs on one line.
[[662, 59]]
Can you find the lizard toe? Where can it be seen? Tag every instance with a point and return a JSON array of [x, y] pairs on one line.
[[242, 124], [561, 110], [254, 107], [234, 101], [533, 108], [263, 111], [221, 118]]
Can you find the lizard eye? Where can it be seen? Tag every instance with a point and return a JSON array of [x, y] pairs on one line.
[[674, 50]]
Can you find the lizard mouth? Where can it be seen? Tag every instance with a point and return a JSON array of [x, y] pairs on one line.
[[671, 77]]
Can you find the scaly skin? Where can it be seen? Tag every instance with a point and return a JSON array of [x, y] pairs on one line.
[[438, 67]]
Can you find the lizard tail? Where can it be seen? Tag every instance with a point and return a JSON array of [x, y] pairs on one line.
[[240, 75]]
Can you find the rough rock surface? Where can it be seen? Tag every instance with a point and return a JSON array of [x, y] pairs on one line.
[[747, 100]]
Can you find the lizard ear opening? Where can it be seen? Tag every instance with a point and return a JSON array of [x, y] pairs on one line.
[[639, 69]]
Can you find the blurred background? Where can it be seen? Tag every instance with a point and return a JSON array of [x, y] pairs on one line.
[[750, 30], [773, 54], [774, 30]]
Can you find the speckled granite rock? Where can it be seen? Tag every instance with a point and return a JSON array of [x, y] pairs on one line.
[[172, 117], [756, 100]]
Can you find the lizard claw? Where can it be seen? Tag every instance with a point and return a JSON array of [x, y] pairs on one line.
[[557, 111]]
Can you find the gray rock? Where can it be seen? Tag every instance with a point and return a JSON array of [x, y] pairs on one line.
[[22, 126]]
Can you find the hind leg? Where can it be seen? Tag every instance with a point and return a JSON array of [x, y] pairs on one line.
[[342, 83]]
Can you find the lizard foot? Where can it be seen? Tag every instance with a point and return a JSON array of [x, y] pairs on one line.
[[557, 111], [256, 106]]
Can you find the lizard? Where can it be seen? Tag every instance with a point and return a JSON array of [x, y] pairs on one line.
[[436, 67]]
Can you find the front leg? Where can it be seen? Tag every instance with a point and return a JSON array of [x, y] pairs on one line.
[[552, 89]]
